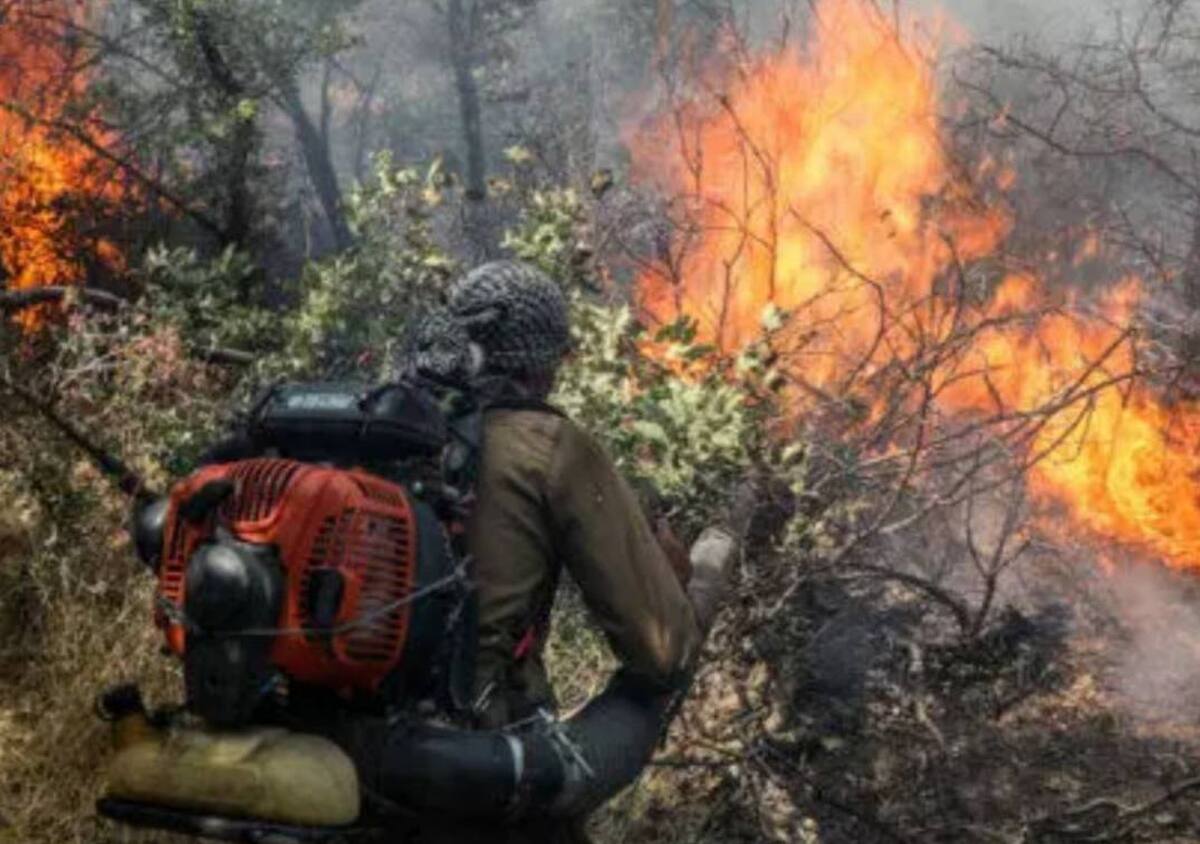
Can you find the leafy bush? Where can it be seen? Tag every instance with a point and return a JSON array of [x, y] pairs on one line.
[[355, 306], [552, 234], [687, 439], [690, 439], [207, 300]]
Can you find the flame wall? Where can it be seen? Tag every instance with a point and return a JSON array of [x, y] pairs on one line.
[[819, 182], [51, 184]]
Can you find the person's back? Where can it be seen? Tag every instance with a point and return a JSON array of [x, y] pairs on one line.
[[550, 499]]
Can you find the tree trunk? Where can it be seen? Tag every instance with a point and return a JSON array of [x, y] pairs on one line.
[[362, 123], [462, 57], [239, 211], [315, 147], [477, 222]]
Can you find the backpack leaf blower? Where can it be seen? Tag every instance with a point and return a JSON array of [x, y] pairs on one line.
[[311, 579], [278, 574]]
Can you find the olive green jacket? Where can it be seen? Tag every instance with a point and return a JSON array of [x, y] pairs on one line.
[[549, 498]]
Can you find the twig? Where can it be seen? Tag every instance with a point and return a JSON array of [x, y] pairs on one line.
[[1124, 814], [16, 300], [222, 356], [126, 479]]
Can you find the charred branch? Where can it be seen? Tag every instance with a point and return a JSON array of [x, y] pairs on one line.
[[16, 300], [126, 479]]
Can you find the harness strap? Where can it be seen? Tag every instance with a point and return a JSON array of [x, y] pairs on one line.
[[525, 647], [539, 620]]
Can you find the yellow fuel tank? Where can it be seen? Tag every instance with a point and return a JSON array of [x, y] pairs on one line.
[[265, 773]]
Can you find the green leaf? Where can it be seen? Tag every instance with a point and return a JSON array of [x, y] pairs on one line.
[[518, 154], [698, 352], [247, 110], [772, 318], [651, 431]]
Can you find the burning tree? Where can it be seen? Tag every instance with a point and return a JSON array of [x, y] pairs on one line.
[[969, 389], [60, 190], [818, 200]]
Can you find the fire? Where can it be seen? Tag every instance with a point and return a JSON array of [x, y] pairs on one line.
[[819, 174], [52, 188], [819, 184], [1125, 465]]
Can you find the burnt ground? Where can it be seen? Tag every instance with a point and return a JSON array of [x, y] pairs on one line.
[[856, 713]]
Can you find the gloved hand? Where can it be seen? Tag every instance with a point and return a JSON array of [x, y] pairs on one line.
[[714, 553]]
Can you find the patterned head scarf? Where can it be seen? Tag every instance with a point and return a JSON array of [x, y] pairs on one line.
[[510, 312]]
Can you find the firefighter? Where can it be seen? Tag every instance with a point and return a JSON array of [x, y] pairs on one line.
[[549, 499]]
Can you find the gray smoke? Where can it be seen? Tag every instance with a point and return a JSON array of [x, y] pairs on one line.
[[1156, 668], [1059, 20]]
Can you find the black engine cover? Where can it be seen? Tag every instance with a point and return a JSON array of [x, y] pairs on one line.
[[233, 599], [348, 424]]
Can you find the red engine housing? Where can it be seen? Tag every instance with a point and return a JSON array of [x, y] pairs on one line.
[[317, 518]]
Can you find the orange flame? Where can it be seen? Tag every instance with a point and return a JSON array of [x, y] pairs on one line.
[[1125, 465], [819, 183], [52, 187], [815, 173]]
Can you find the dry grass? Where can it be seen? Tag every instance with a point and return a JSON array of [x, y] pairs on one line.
[[75, 617]]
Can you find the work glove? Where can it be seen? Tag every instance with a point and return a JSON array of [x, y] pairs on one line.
[[713, 554]]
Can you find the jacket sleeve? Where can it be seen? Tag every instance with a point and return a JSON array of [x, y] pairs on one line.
[[608, 547]]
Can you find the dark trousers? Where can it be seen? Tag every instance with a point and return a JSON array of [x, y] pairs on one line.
[[530, 832]]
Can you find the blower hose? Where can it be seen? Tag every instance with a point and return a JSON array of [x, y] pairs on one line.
[[543, 767]]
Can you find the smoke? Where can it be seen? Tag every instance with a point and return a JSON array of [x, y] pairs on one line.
[[992, 22], [565, 74], [1134, 623], [1156, 662]]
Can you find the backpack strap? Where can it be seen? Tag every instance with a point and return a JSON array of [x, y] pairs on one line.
[[468, 426], [537, 623]]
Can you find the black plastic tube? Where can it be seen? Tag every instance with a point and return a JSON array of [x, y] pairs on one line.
[[549, 768], [563, 769]]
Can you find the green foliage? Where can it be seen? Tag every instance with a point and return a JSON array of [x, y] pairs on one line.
[[206, 300], [353, 307], [689, 436], [356, 305], [191, 84], [671, 412], [675, 415], [264, 43], [675, 420], [140, 387], [551, 234]]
